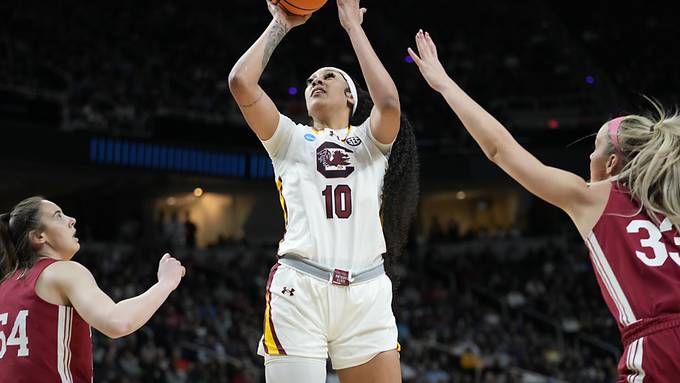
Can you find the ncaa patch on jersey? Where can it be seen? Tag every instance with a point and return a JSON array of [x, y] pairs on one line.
[[310, 137], [353, 141]]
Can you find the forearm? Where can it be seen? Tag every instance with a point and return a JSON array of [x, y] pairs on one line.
[[490, 134], [133, 313], [248, 69], [380, 85]]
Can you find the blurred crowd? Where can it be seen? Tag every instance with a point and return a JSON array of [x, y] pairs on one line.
[[520, 310], [512, 308], [132, 69]]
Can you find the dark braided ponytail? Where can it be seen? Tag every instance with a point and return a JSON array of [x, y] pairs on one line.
[[401, 187]]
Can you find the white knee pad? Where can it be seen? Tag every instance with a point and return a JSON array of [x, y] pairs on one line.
[[294, 369]]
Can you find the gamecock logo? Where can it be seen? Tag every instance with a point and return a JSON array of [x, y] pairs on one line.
[[333, 160]]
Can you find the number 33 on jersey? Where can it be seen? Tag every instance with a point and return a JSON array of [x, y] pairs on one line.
[[636, 261], [653, 242]]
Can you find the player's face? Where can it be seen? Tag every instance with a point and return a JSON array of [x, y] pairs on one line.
[[326, 90], [598, 158], [59, 230]]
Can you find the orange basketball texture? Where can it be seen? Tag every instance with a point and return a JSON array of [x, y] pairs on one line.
[[300, 7]]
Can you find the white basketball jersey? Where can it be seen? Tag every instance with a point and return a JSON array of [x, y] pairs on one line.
[[330, 187]]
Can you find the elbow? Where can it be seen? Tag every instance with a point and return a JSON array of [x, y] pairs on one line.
[[236, 81], [493, 154], [118, 329], [114, 335]]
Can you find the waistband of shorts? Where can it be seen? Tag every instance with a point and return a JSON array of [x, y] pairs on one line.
[[649, 326], [334, 276]]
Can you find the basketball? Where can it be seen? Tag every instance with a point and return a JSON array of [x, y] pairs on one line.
[[300, 7]]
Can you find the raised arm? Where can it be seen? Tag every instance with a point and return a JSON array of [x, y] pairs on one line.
[[258, 109], [558, 187], [386, 111], [77, 285]]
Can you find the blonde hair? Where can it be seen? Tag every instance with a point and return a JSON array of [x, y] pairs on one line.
[[651, 150]]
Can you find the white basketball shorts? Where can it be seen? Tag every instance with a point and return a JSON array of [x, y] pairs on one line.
[[308, 317]]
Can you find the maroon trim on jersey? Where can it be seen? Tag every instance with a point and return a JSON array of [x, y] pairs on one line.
[[284, 206], [280, 349]]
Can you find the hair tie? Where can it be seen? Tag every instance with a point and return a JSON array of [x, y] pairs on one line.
[[614, 133]]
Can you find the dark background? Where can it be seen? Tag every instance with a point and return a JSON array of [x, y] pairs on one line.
[[84, 85]]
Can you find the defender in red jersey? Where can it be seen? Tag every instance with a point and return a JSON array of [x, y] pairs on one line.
[[629, 215], [48, 302]]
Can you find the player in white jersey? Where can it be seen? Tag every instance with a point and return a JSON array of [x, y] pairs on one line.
[[328, 294]]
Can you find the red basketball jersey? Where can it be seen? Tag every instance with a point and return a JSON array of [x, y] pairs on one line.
[[637, 261], [39, 341]]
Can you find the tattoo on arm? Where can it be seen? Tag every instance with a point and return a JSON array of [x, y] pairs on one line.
[[273, 39]]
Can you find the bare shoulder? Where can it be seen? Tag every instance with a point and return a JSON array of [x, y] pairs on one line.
[[67, 274], [58, 278], [65, 270], [592, 205]]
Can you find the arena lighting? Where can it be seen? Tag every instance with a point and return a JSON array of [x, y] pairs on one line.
[[408, 59], [171, 201], [461, 195], [120, 152], [261, 166], [198, 192], [292, 91], [590, 80], [553, 123]]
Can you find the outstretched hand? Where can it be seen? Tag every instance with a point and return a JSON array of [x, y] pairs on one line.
[[351, 15], [428, 62], [289, 20]]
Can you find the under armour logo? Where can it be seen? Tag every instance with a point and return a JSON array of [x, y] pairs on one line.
[[287, 291]]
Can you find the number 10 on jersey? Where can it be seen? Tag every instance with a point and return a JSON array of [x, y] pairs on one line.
[[338, 201]]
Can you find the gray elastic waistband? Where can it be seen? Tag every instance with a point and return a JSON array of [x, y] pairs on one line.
[[335, 276]]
